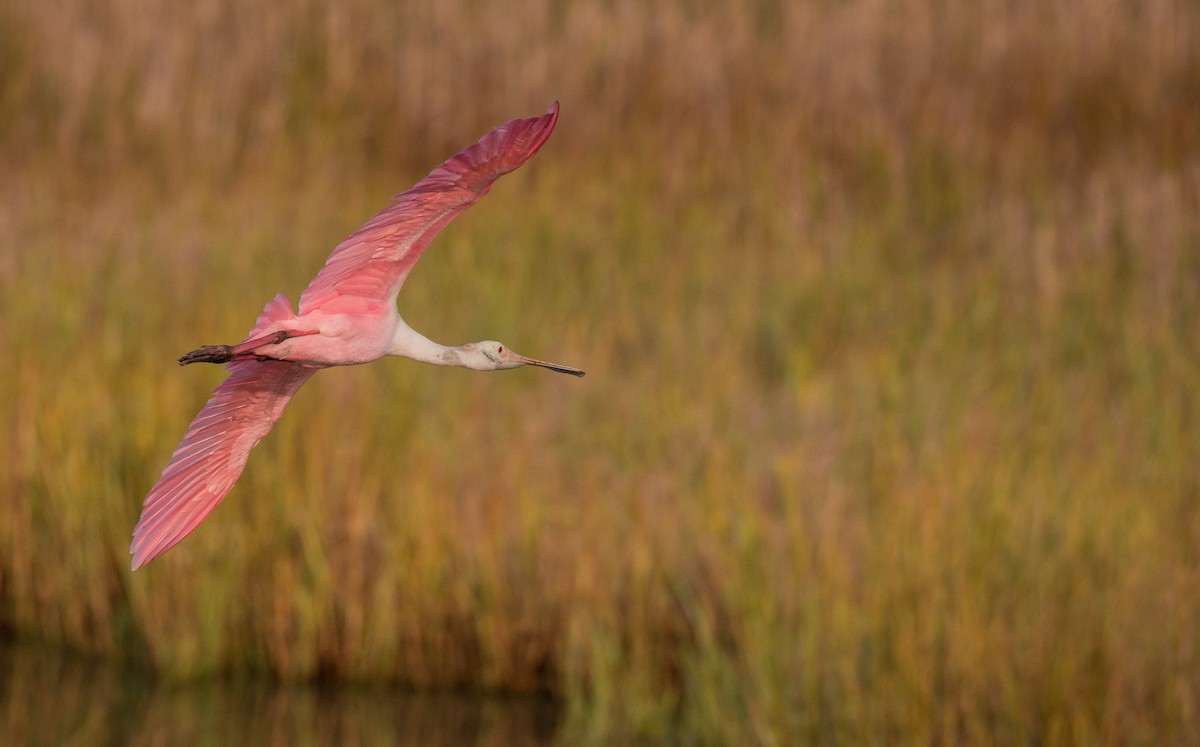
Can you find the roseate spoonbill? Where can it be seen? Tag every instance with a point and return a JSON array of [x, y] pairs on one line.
[[347, 315]]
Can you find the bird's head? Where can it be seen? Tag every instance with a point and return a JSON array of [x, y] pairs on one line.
[[490, 355]]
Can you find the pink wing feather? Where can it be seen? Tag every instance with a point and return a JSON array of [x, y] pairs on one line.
[[373, 261], [214, 450], [213, 453]]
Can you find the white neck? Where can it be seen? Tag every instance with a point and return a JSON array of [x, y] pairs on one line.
[[409, 343]]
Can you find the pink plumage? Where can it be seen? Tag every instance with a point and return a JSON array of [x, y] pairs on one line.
[[347, 315], [374, 260]]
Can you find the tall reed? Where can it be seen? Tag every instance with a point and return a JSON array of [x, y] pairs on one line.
[[889, 311]]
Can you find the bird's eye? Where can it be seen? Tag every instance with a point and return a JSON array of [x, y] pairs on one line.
[[499, 348]]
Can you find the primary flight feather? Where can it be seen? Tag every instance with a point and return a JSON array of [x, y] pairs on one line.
[[347, 315]]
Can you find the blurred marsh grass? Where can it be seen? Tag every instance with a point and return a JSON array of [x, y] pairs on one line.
[[889, 310]]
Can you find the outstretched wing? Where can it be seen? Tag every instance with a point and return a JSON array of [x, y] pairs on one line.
[[213, 453], [373, 262]]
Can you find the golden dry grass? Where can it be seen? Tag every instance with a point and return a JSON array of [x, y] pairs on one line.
[[889, 309]]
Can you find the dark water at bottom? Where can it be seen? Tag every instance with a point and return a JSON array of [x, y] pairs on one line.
[[52, 698]]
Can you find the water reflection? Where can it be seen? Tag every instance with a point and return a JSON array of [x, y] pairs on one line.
[[50, 698]]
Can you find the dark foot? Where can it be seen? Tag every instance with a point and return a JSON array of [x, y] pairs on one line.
[[241, 351], [208, 354]]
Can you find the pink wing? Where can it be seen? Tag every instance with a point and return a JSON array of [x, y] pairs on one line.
[[213, 453], [214, 450], [373, 261]]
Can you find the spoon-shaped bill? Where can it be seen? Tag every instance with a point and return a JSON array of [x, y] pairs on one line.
[[544, 364]]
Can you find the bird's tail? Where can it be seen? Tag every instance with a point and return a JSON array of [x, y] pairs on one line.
[[278, 309]]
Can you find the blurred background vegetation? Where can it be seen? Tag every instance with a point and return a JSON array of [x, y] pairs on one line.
[[890, 310]]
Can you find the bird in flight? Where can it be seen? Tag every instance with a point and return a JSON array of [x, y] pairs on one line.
[[347, 315]]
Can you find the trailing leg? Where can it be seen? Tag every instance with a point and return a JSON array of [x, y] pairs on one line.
[[227, 353]]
